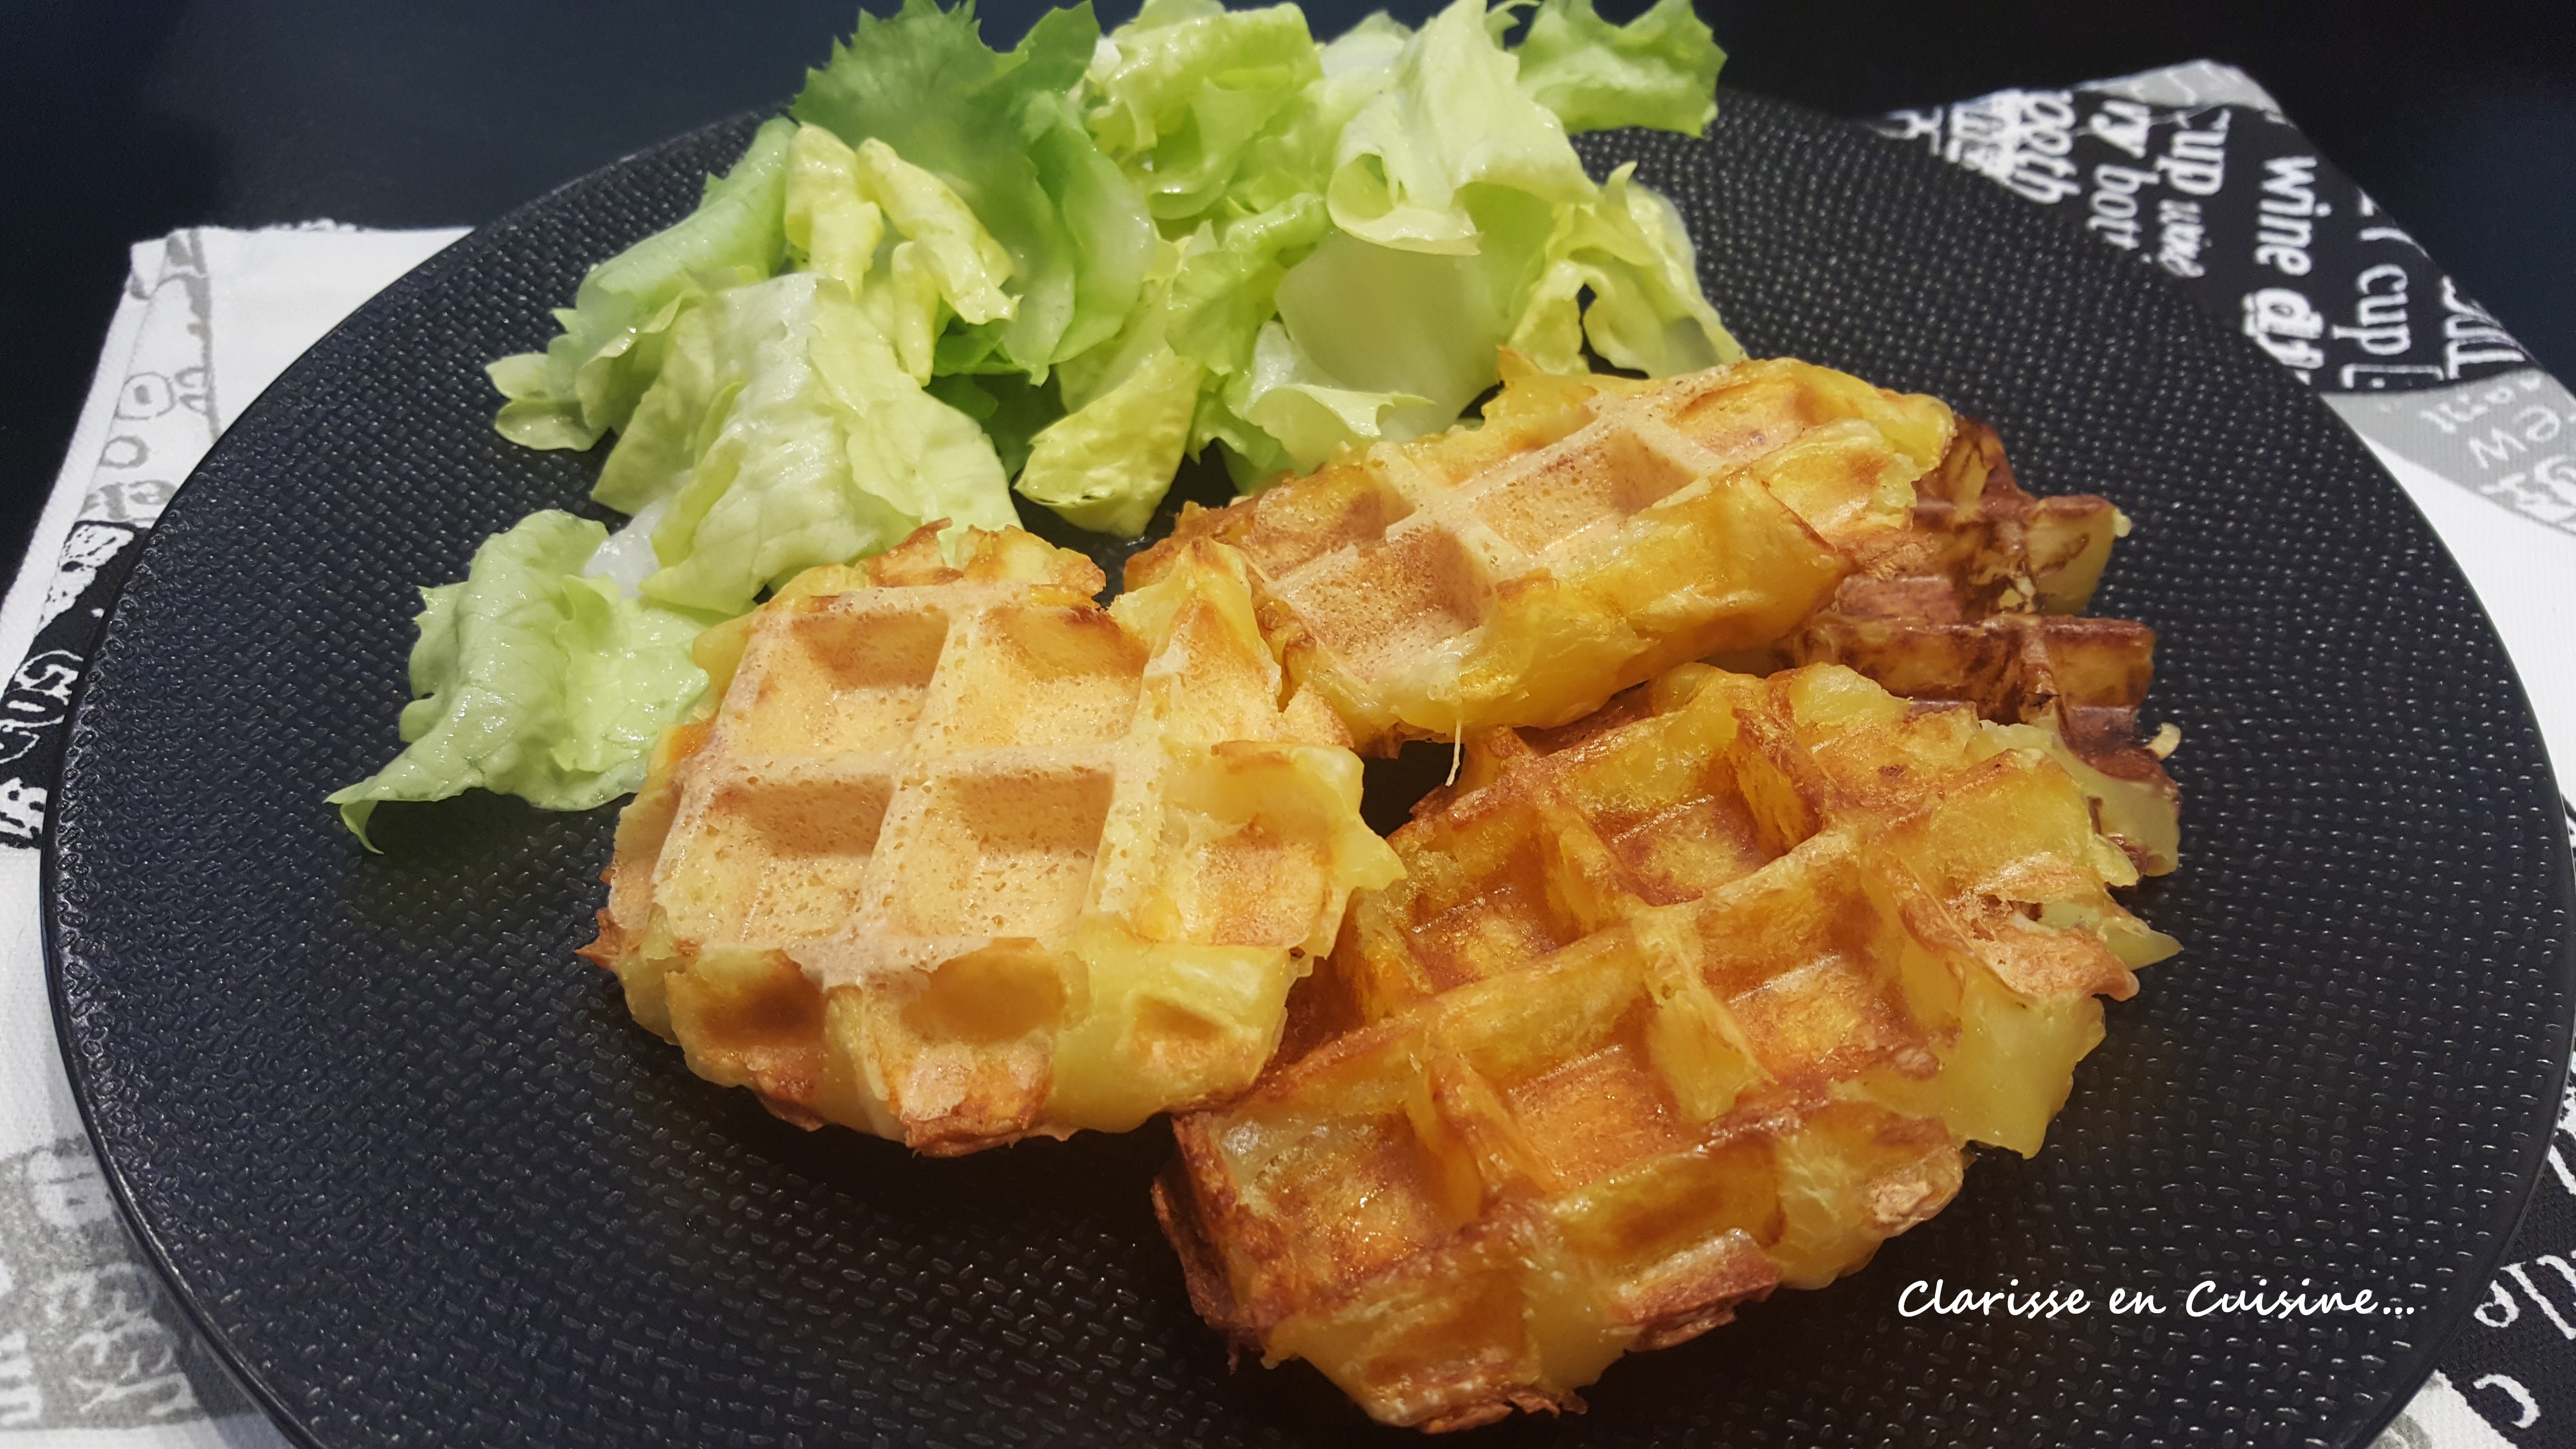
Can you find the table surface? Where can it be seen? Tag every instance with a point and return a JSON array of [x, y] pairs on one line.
[[135, 121]]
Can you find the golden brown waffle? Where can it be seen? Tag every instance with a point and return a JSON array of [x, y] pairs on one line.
[[1976, 544], [1698, 997], [1976, 603], [1592, 533], [2080, 679], [964, 857]]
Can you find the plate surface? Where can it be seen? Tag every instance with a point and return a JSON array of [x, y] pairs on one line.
[[424, 1183]]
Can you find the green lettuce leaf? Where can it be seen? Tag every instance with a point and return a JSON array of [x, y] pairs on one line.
[[1003, 133], [1376, 342], [590, 377], [897, 238], [660, 441], [1080, 379], [1310, 414], [535, 681], [1451, 117], [959, 256], [832, 227], [1227, 284], [1106, 465], [812, 444], [1461, 221], [1205, 304], [1011, 409], [1180, 95], [1293, 156], [1253, 458], [1657, 70], [1647, 312], [1383, 319]]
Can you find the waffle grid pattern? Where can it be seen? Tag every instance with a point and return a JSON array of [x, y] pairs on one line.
[[1590, 536], [1702, 1001], [963, 856]]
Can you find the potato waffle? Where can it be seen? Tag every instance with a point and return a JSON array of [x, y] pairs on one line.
[[1698, 997], [1591, 534], [1977, 603], [2080, 679], [963, 857], [1975, 544]]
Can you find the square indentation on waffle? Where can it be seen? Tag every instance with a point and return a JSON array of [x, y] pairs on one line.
[[1344, 505], [1564, 492], [802, 836], [1002, 852], [843, 675], [1387, 606], [1035, 675], [1245, 852], [1345, 1177], [1570, 1063], [1813, 962]]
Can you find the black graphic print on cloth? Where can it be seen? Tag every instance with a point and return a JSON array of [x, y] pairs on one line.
[[2232, 201], [2194, 171], [2515, 1362], [162, 422], [96, 558], [95, 1341]]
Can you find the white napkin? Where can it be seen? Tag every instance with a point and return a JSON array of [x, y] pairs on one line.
[[92, 1351]]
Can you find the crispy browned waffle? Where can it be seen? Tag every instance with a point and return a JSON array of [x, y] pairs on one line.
[[964, 857], [1698, 997], [1595, 530], [1979, 603], [1590, 534]]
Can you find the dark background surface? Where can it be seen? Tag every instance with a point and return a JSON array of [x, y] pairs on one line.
[[129, 121]]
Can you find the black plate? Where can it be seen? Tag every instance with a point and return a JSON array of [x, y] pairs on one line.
[[424, 1183]]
